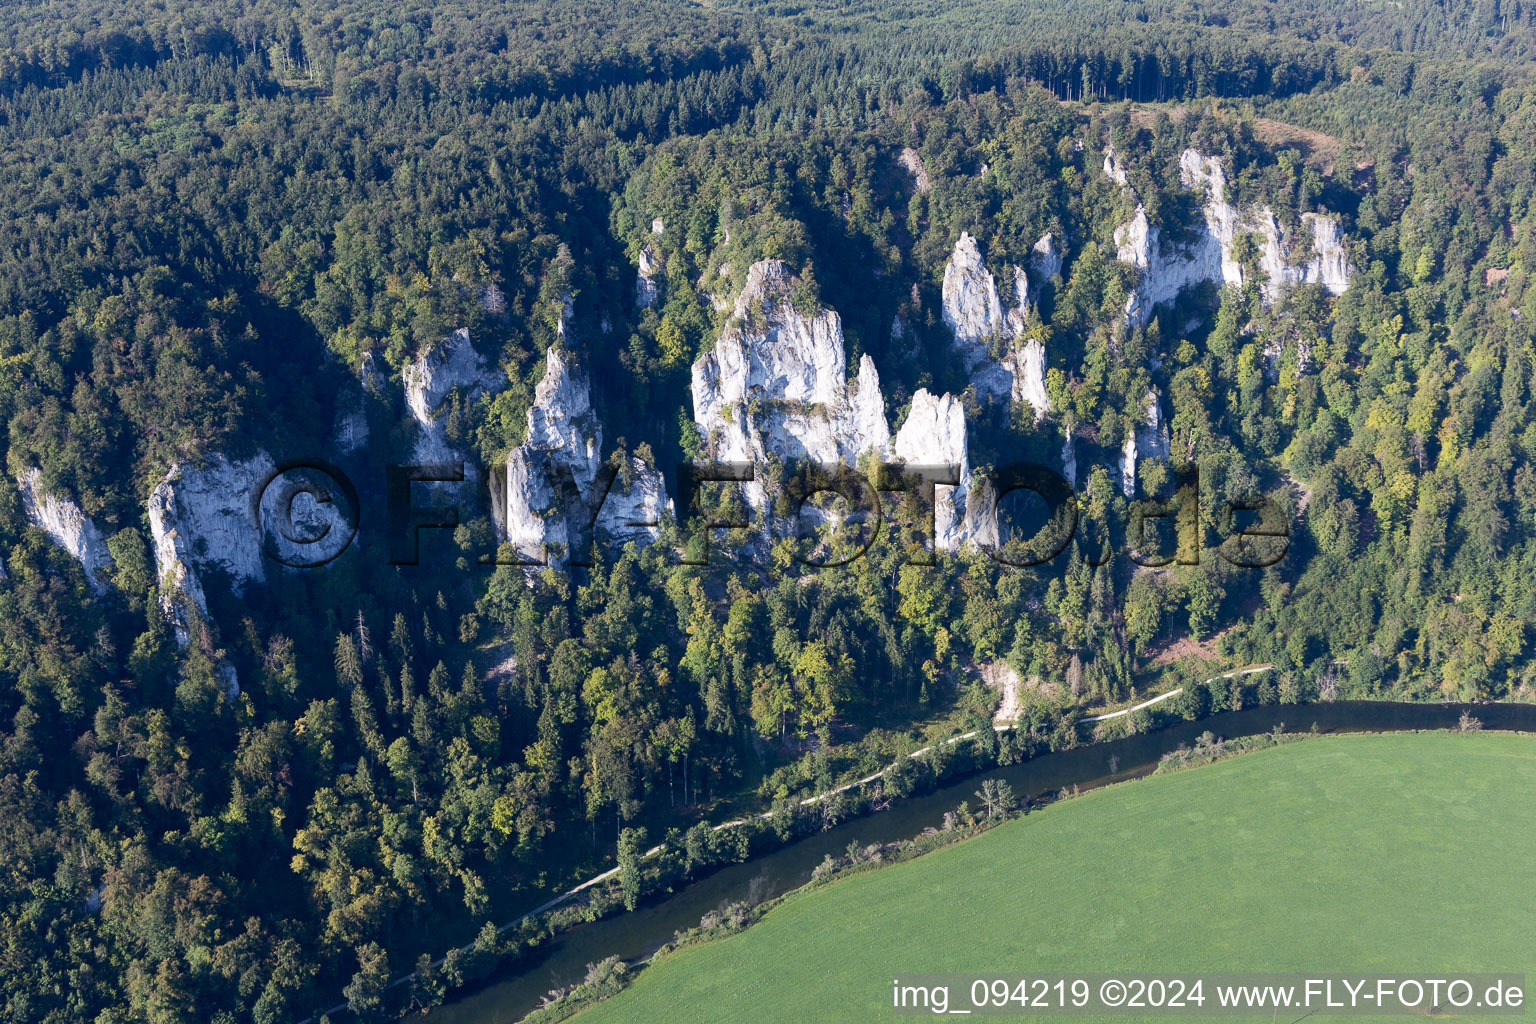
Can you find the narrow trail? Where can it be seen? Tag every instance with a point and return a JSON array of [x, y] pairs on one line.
[[657, 849]]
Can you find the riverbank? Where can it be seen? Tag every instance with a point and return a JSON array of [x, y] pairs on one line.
[[561, 962], [1258, 862]]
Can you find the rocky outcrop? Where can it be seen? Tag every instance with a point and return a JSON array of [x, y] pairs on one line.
[[554, 480], [1212, 254], [1149, 440], [1329, 265], [912, 162], [200, 521], [1163, 273], [646, 288], [1029, 378], [1114, 170], [451, 363], [1045, 259], [774, 385], [351, 429], [1069, 459], [974, 313], [70, 528], [868, 409], [972, 308], [774, 389], [934, 435]]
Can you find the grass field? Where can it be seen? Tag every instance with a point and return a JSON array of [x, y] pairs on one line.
[[1366, 854]]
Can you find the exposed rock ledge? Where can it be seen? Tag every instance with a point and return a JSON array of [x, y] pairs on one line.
[[351, 427], [912, 162], [200, 521], [933, 435], [1165, 271], [1149, 440], [63, 521], [974, 312], [646, 288], [553, 479], [451, 363], [774, 389], [775, 385]]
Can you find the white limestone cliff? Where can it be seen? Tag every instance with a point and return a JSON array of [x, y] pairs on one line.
[[553, 479], [974, 313], [351, 429], [1150, 440], [868, 409], [972, 308], [646, 288], [69, 527], [1029, 378], [1211, 254], [1114, 170], [1045, 258], [934, 435], [912, 162], [775, 385], [200, 521], [1128, 455], [451, 363], [1069, 458], [1330, 264]]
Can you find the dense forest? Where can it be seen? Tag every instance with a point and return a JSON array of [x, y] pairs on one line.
[[213, 212]]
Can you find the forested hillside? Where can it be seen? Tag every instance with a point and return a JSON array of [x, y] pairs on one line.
[[226, 228]]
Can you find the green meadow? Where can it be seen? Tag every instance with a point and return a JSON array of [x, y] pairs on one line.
[[1369, 853]]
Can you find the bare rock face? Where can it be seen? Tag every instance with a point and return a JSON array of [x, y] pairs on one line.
[[933, 435], [1330, 264], [557, 461], [1114, 170], [1164, 273], [351, 429], [1045, 258], [868, 408], [1128, 466], [912, 162], [646, 288], [1069, 459], [70, 528], [775, 385], [199, 520], [974, 312], [452, 363], [1029, 378], [203, 517], [1212, 254], [1150, 440], [972, 308], [554, 479]]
